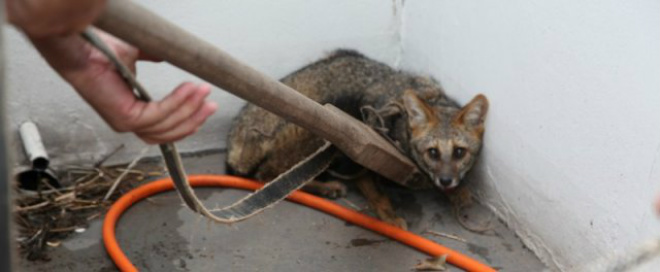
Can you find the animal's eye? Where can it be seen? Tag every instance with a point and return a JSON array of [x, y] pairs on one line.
[[459, 152], [434, 153]]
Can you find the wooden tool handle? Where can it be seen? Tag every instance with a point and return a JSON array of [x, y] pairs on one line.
[[162, 39]]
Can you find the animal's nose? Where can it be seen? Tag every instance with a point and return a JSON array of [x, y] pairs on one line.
[[445, 181]]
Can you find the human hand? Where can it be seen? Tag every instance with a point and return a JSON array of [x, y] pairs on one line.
[[41, 19], [178, 115]]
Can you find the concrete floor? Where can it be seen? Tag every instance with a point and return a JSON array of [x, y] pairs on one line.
[[162, 235]]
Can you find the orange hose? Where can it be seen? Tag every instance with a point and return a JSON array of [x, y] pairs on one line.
[[406, 237]]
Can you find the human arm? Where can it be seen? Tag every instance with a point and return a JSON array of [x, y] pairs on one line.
[[53, 28]]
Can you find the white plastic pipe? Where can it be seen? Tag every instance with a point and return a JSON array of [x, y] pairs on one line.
[[34, 148]]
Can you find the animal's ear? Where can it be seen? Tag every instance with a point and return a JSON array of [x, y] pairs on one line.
[[420, 115], [473, 115]]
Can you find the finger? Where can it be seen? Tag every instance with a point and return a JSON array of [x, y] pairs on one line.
[[153, 113], [186, 109], [182, 131], [186, 128]]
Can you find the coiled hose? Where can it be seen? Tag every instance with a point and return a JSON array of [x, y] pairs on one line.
[[420, 243]]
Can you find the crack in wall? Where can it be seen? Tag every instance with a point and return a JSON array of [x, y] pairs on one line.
[[398, 7]]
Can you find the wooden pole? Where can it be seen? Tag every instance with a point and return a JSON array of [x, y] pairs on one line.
[[162, 39]]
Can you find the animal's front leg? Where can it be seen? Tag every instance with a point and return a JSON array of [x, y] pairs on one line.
[[379, 202], [330, 189]]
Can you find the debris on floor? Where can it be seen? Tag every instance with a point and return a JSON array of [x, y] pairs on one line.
[[47, 215], [286, 238], [433, 264]]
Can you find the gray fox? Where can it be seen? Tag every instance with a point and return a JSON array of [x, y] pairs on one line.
[[442, 138]]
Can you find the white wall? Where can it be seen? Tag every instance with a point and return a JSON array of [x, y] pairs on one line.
[[573, 138], [276, 37], [572, 145]]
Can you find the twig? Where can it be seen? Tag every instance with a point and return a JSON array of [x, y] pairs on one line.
[[93, 216], [87, 183], [61, 197], [131, 171], [82, 201], [79, 170], [108, 156], [106, 176], [129, 167], [65, 229], [453, 237], [86, 176], [77, 208], [33, 237], [32, 207], [45, 182], [155, 174]]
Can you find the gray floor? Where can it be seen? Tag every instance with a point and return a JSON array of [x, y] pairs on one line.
[[162, 235]]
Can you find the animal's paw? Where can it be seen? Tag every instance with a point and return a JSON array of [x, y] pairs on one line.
[[399, 222], [332, 189], [392, 219]]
